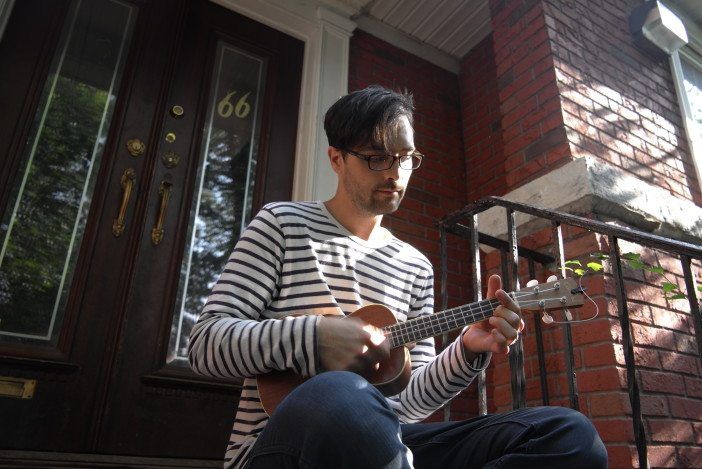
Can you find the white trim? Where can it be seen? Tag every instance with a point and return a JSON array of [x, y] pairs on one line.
[[326, 35], [691, 127]]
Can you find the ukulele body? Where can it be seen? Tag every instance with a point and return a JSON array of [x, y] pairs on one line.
[[390, 377]]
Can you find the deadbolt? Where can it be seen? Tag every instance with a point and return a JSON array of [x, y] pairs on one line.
[[170, 159], [135, 147], [177, 111]]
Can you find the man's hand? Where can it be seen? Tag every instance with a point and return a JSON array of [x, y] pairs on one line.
[[499, 331], [349, 344]]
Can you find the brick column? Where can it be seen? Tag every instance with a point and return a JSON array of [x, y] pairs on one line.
[[574, 92]]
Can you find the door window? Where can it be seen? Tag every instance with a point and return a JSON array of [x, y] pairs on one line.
[[44, 220], [224, 189]]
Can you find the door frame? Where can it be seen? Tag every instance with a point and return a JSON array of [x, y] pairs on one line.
[[326, 35]]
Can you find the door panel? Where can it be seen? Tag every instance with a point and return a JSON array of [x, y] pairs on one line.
[[108, 252], [234, 79], [55, 166]]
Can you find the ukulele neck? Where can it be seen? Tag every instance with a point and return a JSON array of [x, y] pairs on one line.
[[417, 329]]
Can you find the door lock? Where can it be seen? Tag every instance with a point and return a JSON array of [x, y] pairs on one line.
[[136, 147]]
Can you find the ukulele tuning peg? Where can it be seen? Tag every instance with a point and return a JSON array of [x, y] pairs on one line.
[[552, 278], [533, 282], [546, 318]]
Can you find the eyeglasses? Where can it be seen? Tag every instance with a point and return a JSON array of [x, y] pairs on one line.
[[384, 161]]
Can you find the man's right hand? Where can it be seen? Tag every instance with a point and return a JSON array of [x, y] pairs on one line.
[[349, 344]]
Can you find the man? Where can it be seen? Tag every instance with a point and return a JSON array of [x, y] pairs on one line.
[[304, 259]]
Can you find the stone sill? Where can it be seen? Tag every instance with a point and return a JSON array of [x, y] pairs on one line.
[[590, 186]]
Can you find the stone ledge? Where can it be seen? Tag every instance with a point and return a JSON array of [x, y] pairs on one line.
[[588, 185]]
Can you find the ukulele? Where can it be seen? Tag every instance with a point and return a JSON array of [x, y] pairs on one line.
[[392, 375]]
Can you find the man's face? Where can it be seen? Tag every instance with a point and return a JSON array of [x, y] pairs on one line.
[[378, 192]]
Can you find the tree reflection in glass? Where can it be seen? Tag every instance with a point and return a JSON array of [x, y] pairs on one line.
[[222, 204], [43, 223]]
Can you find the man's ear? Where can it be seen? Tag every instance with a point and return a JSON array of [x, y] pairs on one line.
[[336, 158]]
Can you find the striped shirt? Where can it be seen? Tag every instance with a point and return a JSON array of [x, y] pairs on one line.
[[294, 258]]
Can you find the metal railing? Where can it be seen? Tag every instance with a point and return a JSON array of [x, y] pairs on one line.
[[464, 223]]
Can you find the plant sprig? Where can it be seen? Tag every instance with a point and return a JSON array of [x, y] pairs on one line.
[[631, 260]]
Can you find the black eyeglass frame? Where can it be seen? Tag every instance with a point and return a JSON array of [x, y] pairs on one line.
[[368, 158]]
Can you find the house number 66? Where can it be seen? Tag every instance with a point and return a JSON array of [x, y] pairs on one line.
[[225, 108]]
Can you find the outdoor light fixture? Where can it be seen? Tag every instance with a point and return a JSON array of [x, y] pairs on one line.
[[657, 29]]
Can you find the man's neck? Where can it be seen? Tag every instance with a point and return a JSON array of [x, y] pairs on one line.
[[364, 226]]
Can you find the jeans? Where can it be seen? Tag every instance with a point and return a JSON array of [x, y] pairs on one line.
[[338, 420]]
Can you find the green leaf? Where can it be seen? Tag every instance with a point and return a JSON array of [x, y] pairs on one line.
[[669, 287], [656, 269], [631, 256], [677, 296], [579, 272], [573, 262], [599, 255], [635, 264], [699, 287], [595, 266]]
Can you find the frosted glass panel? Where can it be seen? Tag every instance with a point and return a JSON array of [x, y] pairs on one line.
[[223, 196], [42, 227]]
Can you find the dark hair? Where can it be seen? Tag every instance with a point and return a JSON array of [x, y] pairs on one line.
[[365, 116]]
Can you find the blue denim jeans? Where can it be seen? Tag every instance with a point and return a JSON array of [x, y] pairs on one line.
[[338, 420]]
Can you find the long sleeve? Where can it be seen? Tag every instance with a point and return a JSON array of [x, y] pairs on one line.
[[233, 337], [435, 379]]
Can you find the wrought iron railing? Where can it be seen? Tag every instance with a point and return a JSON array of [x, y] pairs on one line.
[[464, 223]]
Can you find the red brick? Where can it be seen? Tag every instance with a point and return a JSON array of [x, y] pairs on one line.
[[655, 381], [615, 430], [690, 456], [662, 456], [621, 456], [671, 431], [604, 379], [654, 405], [685, 408], [609, 404]]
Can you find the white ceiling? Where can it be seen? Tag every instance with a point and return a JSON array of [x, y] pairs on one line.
[[451, 26], [443, 31]]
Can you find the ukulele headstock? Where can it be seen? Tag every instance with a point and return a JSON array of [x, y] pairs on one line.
[[558, 294]]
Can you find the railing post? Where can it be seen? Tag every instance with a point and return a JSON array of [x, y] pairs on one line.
[[539, 344], [444, 300], [692, 299], [516, 352], [478, 295], [567, 334], [633, 385]]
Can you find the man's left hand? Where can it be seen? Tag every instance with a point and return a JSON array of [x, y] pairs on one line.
[[499, 331]]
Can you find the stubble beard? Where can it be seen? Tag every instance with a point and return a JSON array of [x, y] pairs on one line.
[[373, 204]]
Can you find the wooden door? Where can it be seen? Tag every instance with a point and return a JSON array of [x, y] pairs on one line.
[[193, 129]]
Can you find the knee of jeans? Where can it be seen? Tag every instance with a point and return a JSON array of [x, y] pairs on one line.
[[340, 402], [590, 448]]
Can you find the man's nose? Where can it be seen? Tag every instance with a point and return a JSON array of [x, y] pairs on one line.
[[393, 172]]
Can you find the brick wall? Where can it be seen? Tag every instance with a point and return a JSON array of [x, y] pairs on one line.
[[534, 140], [482, 123], [572, 84], [556, 81], [618, 103]]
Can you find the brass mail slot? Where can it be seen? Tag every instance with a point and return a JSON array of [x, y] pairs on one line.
[[19, 388]]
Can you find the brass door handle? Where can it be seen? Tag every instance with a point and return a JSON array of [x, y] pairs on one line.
[[157, 232], [127, 183]]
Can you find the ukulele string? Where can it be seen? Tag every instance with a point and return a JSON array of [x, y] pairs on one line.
[[409, 329]]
